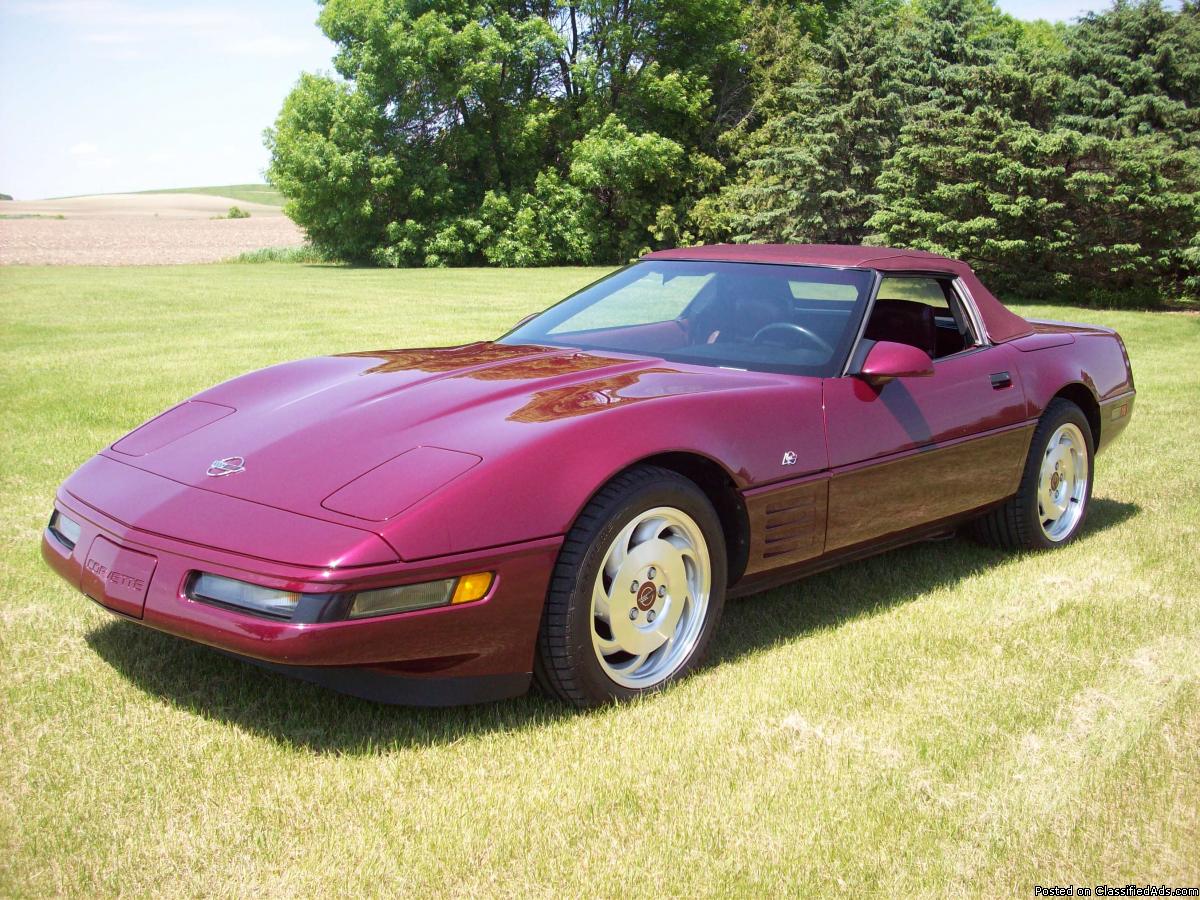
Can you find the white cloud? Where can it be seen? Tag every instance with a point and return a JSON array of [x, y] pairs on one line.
[[60, 10], [122, 30], [137, 29], [131, 15], [88, 157], [191, 18], [116, 27], [111, 38], [269, 45]]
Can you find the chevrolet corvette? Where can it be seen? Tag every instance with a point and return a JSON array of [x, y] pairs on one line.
[[573, 502]]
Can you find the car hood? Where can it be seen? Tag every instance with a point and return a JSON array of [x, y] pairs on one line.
[[298, 435]]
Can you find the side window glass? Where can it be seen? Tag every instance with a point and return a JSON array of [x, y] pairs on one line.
[[923, 312], [919, 290], [823, 291]]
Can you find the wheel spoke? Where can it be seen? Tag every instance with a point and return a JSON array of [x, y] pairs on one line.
[[648, 530], [677, 573], [600, 601], [667, 627], [605, 646], [631, 666], [620, 549]]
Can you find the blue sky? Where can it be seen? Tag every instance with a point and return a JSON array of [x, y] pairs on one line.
[[99, 96]]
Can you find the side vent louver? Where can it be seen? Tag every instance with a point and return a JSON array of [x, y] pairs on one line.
[[786, 526]]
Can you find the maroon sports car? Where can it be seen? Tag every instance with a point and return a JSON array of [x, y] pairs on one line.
[[574, 501]]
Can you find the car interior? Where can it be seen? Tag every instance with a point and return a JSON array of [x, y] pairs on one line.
[[762, 317], [921, 312], [785, 318]]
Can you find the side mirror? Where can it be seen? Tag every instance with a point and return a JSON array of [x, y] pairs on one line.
[[888, 360]]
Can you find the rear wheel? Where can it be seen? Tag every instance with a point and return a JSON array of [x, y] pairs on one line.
[[1051, 505], [637, 591]]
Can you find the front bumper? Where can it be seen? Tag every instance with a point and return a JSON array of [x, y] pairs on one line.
[[447, 655]]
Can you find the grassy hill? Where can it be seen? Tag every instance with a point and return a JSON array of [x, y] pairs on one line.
[[249, 193]]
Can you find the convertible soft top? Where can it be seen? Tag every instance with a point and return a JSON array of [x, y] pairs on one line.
[[1001, 323]]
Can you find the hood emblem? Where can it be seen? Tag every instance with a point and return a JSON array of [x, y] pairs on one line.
[[789, 458], [230, 465]]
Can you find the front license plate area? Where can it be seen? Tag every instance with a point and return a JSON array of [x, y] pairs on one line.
[[116, 577]]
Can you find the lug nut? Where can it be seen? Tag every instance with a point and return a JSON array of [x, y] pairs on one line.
[[662, 590], [632, 613], [652, 573], [651, 616], [633, 588]]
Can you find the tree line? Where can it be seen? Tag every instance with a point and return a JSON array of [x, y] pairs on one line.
[[1059, 160]]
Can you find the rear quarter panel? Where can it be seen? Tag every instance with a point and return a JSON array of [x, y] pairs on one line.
[[1062, 354]]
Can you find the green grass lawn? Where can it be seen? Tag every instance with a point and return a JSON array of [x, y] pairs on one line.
[[942, 718], [250, 193]]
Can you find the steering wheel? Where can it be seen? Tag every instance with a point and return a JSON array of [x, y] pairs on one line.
[[793, 328]]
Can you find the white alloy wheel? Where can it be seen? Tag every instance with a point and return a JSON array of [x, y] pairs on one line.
[[650, 597], [1062, 483]]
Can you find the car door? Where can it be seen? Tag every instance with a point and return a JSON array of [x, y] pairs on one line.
[[917, 450]]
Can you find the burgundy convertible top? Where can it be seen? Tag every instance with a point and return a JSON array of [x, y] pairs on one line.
[[1001, 323]]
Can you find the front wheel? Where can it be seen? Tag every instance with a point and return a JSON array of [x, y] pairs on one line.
[[637, 591], [1051, 504]]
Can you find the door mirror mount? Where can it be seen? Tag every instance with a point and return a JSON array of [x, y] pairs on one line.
[[888, 360], [526, 319]]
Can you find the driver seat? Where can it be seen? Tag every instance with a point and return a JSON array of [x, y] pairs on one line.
[[739, 310], [905, 322], [752, 314]]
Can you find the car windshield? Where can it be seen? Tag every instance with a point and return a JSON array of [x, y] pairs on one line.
[[775, 318]]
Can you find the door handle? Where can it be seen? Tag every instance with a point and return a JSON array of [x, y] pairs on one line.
[[1001, 380]]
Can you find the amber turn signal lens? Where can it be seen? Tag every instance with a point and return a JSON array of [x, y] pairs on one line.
[[472, 587]]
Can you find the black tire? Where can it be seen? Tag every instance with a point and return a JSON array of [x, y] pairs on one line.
[[566, 665], [1017, 525]]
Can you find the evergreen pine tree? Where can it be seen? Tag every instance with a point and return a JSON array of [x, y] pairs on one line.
[[1135, 69], [1007, 167], [812, 176]]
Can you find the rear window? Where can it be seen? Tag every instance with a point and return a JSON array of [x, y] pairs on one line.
[[821, 290]]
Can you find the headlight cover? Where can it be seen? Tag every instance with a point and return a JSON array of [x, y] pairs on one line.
[[403, 598], [65, 529], [430, 594], [253, 597], [308, 608]]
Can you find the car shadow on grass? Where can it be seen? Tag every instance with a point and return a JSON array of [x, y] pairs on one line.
[[295, 713], [870, 586]]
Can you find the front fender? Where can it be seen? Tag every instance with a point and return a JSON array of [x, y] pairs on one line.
[[535, 478]]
